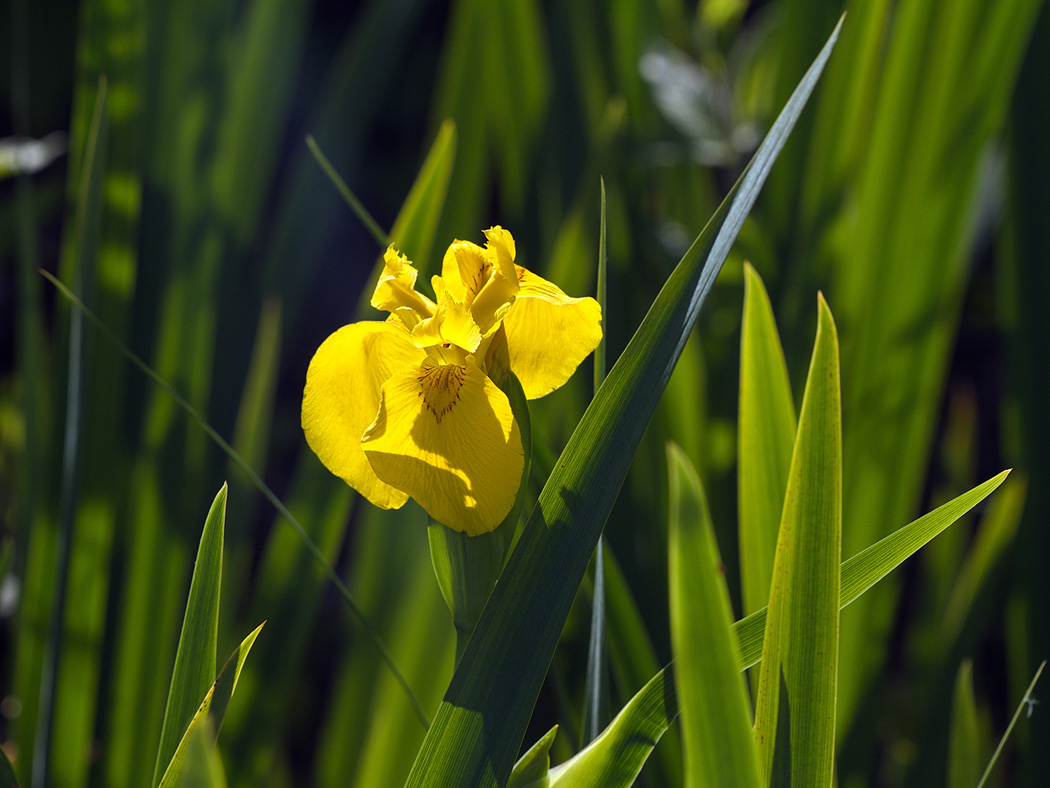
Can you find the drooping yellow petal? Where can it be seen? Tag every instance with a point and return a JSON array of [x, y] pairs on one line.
[[445, 434], [342, 396], [549, 333], [396, 288]]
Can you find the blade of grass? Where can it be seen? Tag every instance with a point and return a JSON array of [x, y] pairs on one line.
[[716, 714], [212, 710], [1013, 721], [190, 411], [614, 759], [534, 766], [764, 440], [800, 646], [198, 642], [479, 726], [869, 566], [595, 703]]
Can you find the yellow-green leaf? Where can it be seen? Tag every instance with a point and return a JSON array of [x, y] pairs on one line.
[[801, 639]]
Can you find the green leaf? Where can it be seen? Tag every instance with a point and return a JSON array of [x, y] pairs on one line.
[[491, 696], [716, 713], [615, 758], [801, 639], [212, 710], [869, 566], [964, 745], [595, 701], [195, 659], [764, 441], [532, 768], [467, 567]]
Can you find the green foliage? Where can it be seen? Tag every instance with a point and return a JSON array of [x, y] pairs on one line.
[[716, 717], [195, 658], [193, 223]]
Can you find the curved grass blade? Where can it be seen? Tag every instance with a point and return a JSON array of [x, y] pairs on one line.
[[479, 726], [533, 767], [195, 658], [212, 710], [594, 702], [716, 714], [869, 566], [614, 759], [1025, 703], [800, 650], [255, 479], [764, 441]]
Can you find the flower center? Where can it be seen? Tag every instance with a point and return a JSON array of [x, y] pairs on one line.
[[440, 385]]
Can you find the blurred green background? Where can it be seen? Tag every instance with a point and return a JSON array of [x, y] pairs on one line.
[[913, 193]]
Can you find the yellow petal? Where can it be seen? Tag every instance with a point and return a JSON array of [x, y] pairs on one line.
[[464, 270], [501, 243], [472, 276], [452, 323], [445, 434], [549, 333], [396, 288], [342, 395]]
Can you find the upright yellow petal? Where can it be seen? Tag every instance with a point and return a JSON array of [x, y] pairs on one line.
[[445, 434], [464, 269], [501, 244], [342, 396], [549, 333]]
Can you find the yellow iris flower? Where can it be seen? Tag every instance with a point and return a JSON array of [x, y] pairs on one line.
[[408, 407]]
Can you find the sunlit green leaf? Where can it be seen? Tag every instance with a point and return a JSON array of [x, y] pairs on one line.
[[800, 652], [195, 659], [716, 714], [765, 438]]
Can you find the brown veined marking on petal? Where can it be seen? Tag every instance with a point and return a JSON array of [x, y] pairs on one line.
[[440, 388]]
